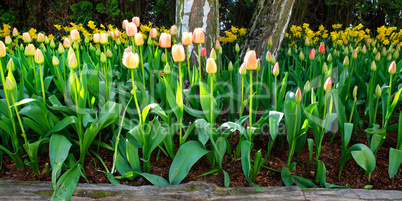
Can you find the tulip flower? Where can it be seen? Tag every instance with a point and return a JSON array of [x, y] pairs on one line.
[[153, 33], [131, 29], [268, 57], [237, 48], [165, 40], [218, 46], [187, 38], [378, 91], [66, 43], [72, 62], [250, 60], [211, 66], [15, 32], [38, 57], [321, 49], [2, 49], [198, 35], [298, 96], [96, 38], [275, 70], [103, 38], [124, 25], [204, 52], [30, 50], [75, 35], [26, 37], [173, 30], [269, 43], [178, 53], [311, 55], [8, 40], [61, 49], [328, 84], [136, 21], [131, 60], [213, 54], [139, 40]]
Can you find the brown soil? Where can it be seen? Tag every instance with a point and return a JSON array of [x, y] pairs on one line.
[[351, 176]]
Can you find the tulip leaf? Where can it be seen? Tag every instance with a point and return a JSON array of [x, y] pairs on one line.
[[59, 147], [395, 160], [183, 161], [274, 120]]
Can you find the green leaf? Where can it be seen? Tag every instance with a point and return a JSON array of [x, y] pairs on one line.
[[321, 173], [226, 179], [245, 161], [62, 125], [362, 155], [154, 179], [303, 182], [348, 129], [67, 183], [156, 109], [395, 160], [202, 127], [205, 100], [274, 120], [59, 147], [172, 100], [286, 176], [393, 104], [183, 161]]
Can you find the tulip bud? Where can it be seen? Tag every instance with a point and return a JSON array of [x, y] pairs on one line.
[[136, 21], [237, 48], [30, 50], [346, 61], [178, 53], [273, 61], [268, 57], [354, 54], [75, 45], [10, 65], [153, 33], [324, 68], [139, 40], [395, 56], [289, 52], [392, 68], [131, 60], [373, 66], [72, 62], [375, 51], [2, 49], [378, 91], [26, 37], [345, 42], [328, 85], [275, 69], [346, 51], [269, 42], [301, 56], [118, 42], [187, 38], [389, 57], [311, 55], [98, 52], [109, 53], [377, 57], [124, 24], [321, 49], [103, 58], [165, 40], [329, 58], [166, 70], [220, 51], [163, 58], [61, 49], [96, 38], [364, 49], [15, 32], [213, 54], [306, 42], [211, 66], [203, 52], [307, 86], [250, 60], [52, 44], [298, 96], [116, 33], [242, 70], [8, 40], [55, 61], [384, 52], [103, 38], [230, 66], [10, 84], [173, 30], [355, 92], [86, 40], [66, 43], [39, 57], [198, 35]]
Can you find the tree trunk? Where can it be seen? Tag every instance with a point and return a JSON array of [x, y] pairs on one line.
[[191, 14], [270, 18]]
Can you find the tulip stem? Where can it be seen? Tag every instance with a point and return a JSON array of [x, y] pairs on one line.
[[188, 66], [251, 107], [19, 120], [242, 96], [142, 65], [135, 97], [389, 101], [212, 100], [199, 61], [42, 85]]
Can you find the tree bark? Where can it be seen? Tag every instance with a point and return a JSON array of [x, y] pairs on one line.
[[191, 14], [270, 18]]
